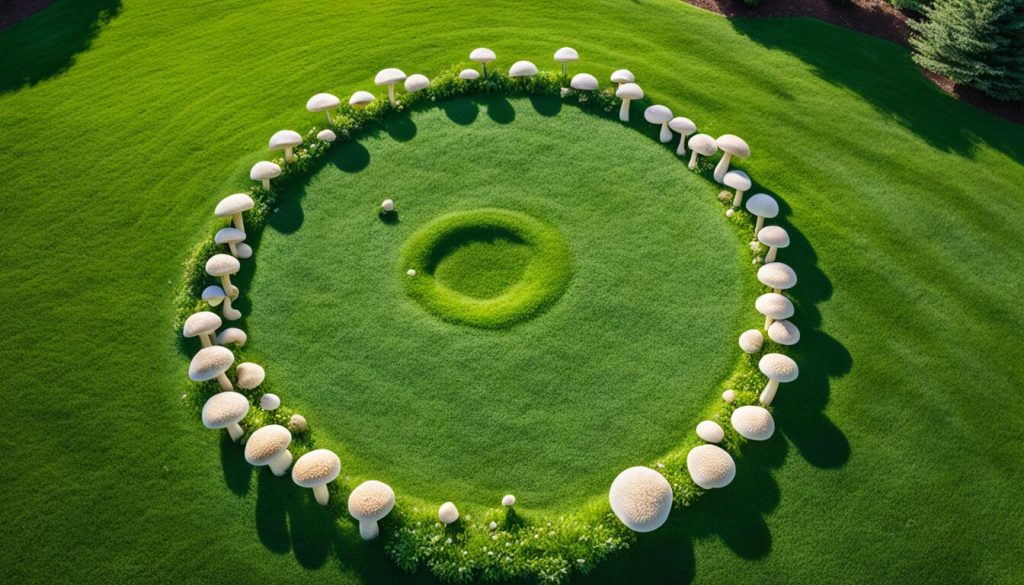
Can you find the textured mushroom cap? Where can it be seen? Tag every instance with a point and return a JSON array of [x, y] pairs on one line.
[[387, 205], [232, 335], [737, 180], [734, 145], [224, 409], [753, 422], [623, 76], [508, 500], [522, 69], [703, 144], [270, 401], [229, 235], [774, 236], [213, 294], [482, 55], [267, 443], [201, 323], [447, 513], [657, 114], [322, 102], [209, 363], [583, 82], [682, 125], [371, 501], [641, 498], [710, 431], [316, 468], [221, 264], [249, 375], [326, 135], [285, 138], [729, 396], [469, 74], [361, 98], [777, 275], [233, 204], [751, 340], [264, 170], [389, 76], [784, 332], [763, 205], [416, 82], [567, 54], [710, 466], [779, 367], [298, 423], [774, 306], [630, 91]]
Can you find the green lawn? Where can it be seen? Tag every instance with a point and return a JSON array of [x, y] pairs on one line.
[[898, 449]]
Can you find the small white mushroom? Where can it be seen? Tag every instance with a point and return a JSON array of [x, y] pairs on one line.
[[361, 99], [249, 375], [469, 74], [447, 513], [763, 206], [583, 82], [731, 146], [315, 470], [522, 69], [660, 115], [739, 181], [297, 423], [777, 276], [390, 77], [729, 396], [214, 295], [416, 82], [508, 501], [263, 171], [232, 206], [387, 206], [326, 135], [627, 92], [411, 272], [210, 363], [203, 325], [230, 237], [231, 335], [753, 422], [323, 102], [784, 332], [751, 341], [620, 76], [773, 306], [641, 498], [774, 237], [270, 402], [566, 55], [269, 446], [685, 127], [779, 369], [368, 503], [701, 145], [710, 466], [223, 266], [710, 431], [285, 140], [224, 410], [482, 56]]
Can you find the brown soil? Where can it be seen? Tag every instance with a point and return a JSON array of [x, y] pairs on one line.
[[11, 11]]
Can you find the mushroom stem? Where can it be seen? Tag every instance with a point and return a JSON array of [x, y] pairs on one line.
[[235, 432], [759, 224], [233, 249], [768, 322], [206, 339], [391, 94], [722, 167], [624, 110], [666, 133], [321, 494], [768, 394], [485, 67], [279, 465], [237, 220], [329, 121], [229, 289], [288, 154], [368, 529], [777, 291], [231, 314], [693, 159], [682, 145], [772, 253], [739, 199], [266, 184], [563, 68], [225, 384]]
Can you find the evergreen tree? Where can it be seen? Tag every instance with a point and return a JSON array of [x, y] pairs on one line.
[[979, 43]]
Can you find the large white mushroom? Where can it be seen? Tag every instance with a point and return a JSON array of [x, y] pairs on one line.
[[483, 57], [566, 55], [224, 410], [285, 140], [522, 69], [390, 77], [731, 146], [223, 266], [361, 99], [269, 446], [641, 498], [210, 363], [774, 237], [784, 332], [710, 466], [232, 206], [763, 206], [368, 503], [773, 306], [416, 82], [660, 115], [583, 82], [701, 145], [620, 76], [323, 102], [469, 74], [263, 171], [315, 470], [232, 238], [203, 325], [231, 335], [739, 181], [685, 127], [751, 341], [627, 92], [447, 513], [753, 422], [779, 369], [710, 431], [249, 375], [777, 276]]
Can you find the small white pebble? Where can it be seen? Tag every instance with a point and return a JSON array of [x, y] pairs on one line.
[[411, 272], [729, 396], [493, 525], [729, 212]]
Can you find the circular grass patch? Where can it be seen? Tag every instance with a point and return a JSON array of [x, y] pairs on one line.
[[487, 268]]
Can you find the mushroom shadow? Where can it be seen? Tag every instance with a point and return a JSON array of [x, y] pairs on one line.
[[388, 217], [350, 157], [312, 529], [237, 472], [546, 105], [400, 128], [272, 510], [463, 111], [287, 217], [499, 109]]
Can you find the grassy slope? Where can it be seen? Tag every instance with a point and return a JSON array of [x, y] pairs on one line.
[[901, 444]]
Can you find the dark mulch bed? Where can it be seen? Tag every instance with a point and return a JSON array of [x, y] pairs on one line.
[[11, 11]]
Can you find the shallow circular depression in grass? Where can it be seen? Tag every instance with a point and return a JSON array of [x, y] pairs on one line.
[[615, 372]]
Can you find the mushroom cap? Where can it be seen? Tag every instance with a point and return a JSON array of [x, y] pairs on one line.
[[469, 74], [232, 335], [710, 431], [233, 204], [416, 82], [389, 76], [209, 363], [270, 401], [447, 513], [316, 468], [508, 500], [522, 69], [229, 235], [629, 91], [784, 332], [249, 375], [623, 76], [326, 135], [322, 102], [285, 138], [734, 145], [682, 125], [774, 236], [387, 205], [751, 341], [777, 275], [221, 264], [224, 409], [703, 144], [710, 466], [371, 501], [298, 423], [567, 54], [267, 443], [657, 114], [203, 322], [361, 98], [583, 82], [729, 396], [779, 367], [482, 55], [737, 180], [264, 170], [774, 306], [753, 422], [213, 294], [641, 498], [763, 205]]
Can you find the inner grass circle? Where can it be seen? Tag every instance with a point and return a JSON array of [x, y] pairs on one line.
[[487, 268]]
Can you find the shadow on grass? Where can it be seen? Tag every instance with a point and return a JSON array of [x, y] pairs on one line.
[[237, 472]]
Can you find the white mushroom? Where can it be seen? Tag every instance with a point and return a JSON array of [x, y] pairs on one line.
[[264, 171], [390, 77], [777, 276], [641, 498], [249, 375], [779, 369], [731, 146], [763, 206], [361, 99], [774, 237], [214, 295], [710, 431], [583, 82], [701, 145], [224, 410], [315, 470], [203, 325], [784, 332], [297, 423], [323, 102], [387, 206], [224, 266], [729, 396], [368, 503], [285, 140], [660, 115], [230, 237], [522, 69], [753, 422], [270, 402], [482, 56], [469, 74], [620, 76], [269, 446], [751, 341], [232, 206], [416, 82], [737, 180], [627, 92], [773, 306], [566, 55], [710, 466], [326, 135], [210, 363], [447, 513], [231, 335], [508, 500], [685, 127]]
